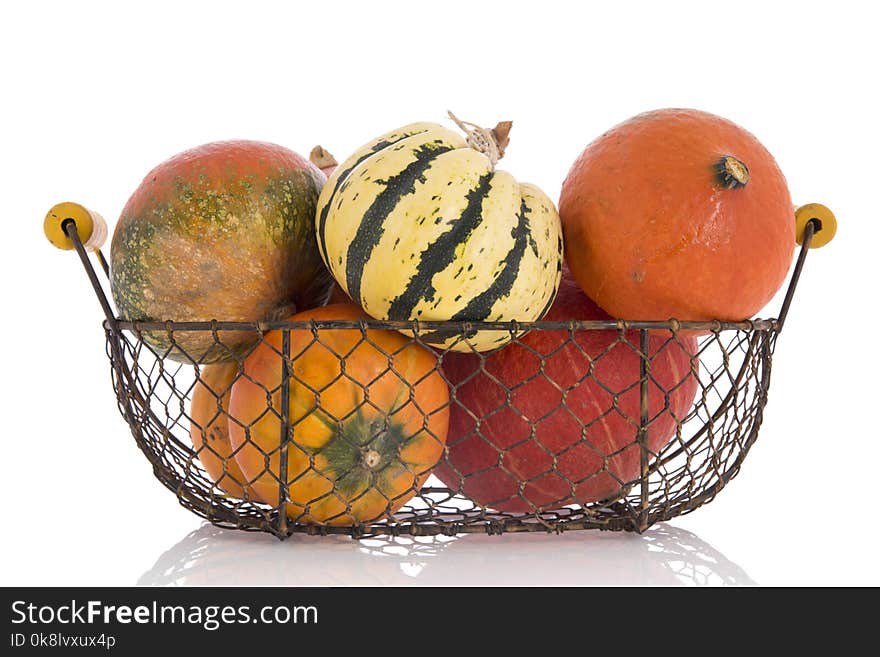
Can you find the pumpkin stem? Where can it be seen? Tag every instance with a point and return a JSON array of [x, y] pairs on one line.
[[322, 158], [731, 172], [490, 143], [372, 458]]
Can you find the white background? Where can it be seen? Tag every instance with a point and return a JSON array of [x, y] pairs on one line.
[[94, 95]]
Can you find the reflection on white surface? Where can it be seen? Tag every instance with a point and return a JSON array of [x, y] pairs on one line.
[[662, 556]]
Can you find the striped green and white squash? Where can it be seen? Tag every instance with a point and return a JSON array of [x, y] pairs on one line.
[[417, 224]]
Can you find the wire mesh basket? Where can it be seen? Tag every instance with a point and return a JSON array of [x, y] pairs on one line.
[[541, 451]]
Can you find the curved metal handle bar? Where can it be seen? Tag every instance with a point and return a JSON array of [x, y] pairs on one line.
[[812, 227], [69, 228]]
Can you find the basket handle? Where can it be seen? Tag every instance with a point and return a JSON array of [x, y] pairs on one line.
[[815, 226], [71, 226]]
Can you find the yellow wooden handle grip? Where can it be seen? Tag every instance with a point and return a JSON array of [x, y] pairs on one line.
[[827, 230], [90, 226]]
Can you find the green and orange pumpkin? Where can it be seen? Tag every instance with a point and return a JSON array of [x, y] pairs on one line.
[[222, 231], [364, 433]]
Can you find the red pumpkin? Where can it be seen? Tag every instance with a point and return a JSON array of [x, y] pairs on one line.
[[677, 213], [493, 457]]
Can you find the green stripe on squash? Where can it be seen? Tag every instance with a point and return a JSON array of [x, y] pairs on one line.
[[440, 254], [371, 226], [342, 172]]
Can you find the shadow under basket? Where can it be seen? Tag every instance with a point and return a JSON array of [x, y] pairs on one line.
[[727, 372]]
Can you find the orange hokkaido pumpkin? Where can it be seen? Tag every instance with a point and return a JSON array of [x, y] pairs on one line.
[[209, 428], [363, 438], [677, 213]]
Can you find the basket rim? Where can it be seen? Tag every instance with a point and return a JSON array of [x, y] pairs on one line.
[[417, 326]]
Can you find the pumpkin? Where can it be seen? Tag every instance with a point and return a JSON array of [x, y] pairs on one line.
[[209, 428], [222, 231], [362, 439], [678, 213], [553, 418], [418, 224]]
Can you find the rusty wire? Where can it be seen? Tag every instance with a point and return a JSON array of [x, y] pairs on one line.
[[731, 368]]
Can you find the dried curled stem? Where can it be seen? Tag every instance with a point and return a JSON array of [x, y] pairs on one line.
[[489, 142], [322, 158]]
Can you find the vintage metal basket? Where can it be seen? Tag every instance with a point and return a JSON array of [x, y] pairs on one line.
[[731, 368]]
